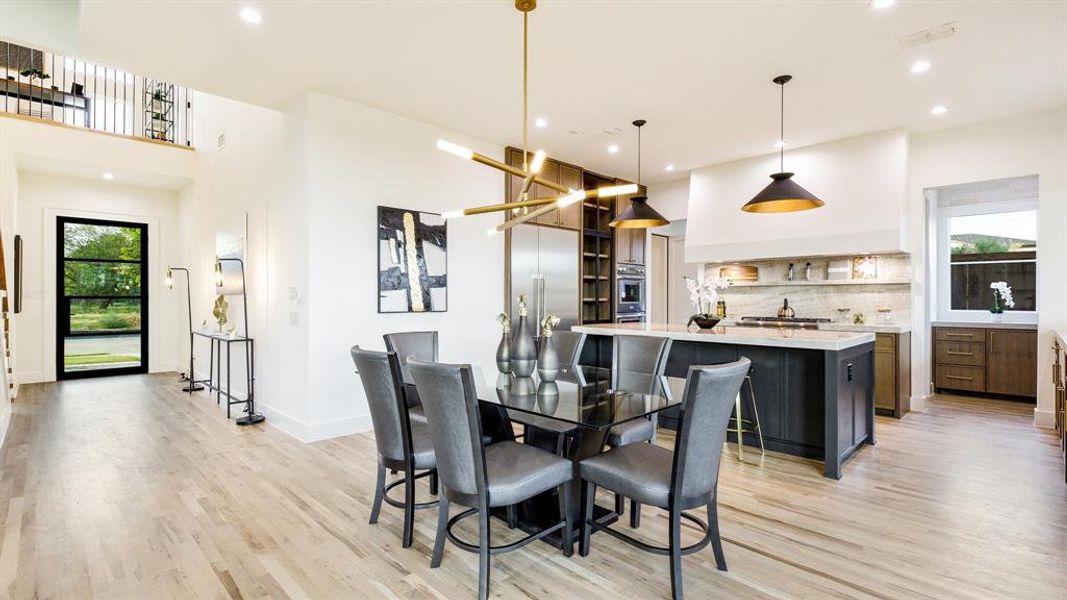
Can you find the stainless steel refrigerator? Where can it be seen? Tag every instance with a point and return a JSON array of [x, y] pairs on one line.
[[545, 266]]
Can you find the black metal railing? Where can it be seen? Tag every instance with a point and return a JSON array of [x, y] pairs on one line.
[[44, 85]]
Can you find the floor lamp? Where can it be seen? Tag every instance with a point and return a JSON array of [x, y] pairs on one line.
[[193, 386], [253, 417]]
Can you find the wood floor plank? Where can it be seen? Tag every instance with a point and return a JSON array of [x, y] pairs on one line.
[[125, 487]]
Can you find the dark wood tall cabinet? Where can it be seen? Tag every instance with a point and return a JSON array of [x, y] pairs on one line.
[[629, 243], [591, 217]]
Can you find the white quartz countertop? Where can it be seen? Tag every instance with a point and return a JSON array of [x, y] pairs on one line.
[[1027, 326], [866, 328], [810, 339]]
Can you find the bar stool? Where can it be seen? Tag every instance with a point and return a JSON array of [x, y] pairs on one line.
[[737, 422]]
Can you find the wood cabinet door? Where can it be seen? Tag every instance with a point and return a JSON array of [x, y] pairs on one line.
[[571, 178], [885, 379], [637, 246], [549, 171], [1011, 362]]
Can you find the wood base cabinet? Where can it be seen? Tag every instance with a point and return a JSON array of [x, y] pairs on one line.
[[986, 360], [892, 374]]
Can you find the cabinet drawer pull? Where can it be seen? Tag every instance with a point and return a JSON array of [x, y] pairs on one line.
[[959, 377], [959, 353], [967, 335]]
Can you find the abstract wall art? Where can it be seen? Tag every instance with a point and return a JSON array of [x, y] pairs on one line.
[[412, 261]]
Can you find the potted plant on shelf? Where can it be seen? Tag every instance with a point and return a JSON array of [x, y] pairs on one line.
[[703, 295], [1002, 299]]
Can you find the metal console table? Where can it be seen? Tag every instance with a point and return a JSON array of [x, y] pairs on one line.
[[214, 381]]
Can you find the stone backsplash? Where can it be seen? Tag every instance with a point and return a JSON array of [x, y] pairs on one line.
[[821, 297]]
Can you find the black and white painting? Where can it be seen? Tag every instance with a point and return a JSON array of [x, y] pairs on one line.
[[412, 261]]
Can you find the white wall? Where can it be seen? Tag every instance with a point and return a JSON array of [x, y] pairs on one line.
[[1030, 144], [357, 159], [43, 197], [863, 181]]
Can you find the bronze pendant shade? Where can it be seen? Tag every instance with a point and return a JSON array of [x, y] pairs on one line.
[[782, 194], [639, 215]]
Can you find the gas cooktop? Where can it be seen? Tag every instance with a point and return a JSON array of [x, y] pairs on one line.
[[800, 322]]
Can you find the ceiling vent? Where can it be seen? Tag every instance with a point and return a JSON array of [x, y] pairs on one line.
[[930, 35], [222, 141]]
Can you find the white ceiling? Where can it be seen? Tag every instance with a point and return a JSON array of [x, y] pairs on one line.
[[699, 72]]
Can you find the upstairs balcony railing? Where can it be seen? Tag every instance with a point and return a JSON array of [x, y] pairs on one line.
[[43, 85]]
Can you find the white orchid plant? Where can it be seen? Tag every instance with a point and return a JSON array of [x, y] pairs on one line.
[[1001, 297], [704, 294]]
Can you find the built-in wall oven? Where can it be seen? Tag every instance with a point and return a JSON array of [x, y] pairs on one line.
[[630, 294]]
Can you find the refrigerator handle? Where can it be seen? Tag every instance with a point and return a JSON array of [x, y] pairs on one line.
[[539, 301]]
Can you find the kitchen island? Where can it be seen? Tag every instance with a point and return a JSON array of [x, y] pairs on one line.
[[814, 389]]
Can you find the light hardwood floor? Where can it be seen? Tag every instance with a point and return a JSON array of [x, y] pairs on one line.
[[125, 487]]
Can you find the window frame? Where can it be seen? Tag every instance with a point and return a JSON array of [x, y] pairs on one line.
[[943, 255]]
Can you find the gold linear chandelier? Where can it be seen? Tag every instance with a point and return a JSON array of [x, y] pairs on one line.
[[530, 167]]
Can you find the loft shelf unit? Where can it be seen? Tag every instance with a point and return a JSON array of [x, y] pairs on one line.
[[159, 110]]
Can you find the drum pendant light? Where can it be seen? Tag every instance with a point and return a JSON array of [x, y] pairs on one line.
[[639, 215], [783, 194]]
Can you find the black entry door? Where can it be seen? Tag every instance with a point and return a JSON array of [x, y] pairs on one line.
[[102, 298]]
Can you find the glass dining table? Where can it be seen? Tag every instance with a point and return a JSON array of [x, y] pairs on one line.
[[571, 417]]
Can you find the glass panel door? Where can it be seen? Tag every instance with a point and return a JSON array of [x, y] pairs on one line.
[[102, 307]]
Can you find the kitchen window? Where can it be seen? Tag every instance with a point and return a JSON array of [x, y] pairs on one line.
[[987, 233]]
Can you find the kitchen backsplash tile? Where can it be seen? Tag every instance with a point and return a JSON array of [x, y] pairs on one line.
[[764, 298]]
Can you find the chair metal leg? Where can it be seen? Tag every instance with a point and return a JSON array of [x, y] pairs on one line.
[[755, 414], [379, 493], [433, 482], [588, 497], [675, 542], [567, 535], [635, 514], [409, 507], [442, 527], [483, 553], [713, 532], [620, 504], [740, 434], [512, 513]]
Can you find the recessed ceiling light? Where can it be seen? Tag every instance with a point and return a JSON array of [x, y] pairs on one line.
[[668, 168], [880, 4], [108, 176], [613, 149], [939, 110], [920, 66], [779, 144], [541, 122], [251, 16]]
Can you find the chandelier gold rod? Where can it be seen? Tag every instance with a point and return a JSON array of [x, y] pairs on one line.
[[485, 160]]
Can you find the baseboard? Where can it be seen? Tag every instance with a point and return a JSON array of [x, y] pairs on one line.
[[918, 403], [313, 432], [30, 377], [1044, 419], [5, 419], [325, 430], [283, 422]]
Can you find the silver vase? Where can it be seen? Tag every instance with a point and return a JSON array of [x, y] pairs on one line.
[[523, 350], [548, 361], [503, 353]]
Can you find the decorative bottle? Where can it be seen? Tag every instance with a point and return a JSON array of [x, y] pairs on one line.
[[548, 359], [523, 358], [503, 350]]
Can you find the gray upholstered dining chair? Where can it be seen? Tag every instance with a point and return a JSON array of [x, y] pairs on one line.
[[677, 480], [423, 345], [632, 358], [402, 445], [569, 345], [483, 477]]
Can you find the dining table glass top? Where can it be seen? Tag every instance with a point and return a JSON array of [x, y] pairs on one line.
[[584, 396]]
